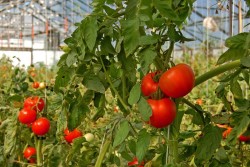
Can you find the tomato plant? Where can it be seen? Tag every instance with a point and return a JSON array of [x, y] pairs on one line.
[[27, 116], [41, 126], [178, 81], [71, 135], [163, 112], [36, 103], [148, 85]]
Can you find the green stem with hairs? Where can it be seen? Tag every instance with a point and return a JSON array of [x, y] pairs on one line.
[[39, 156], [216, 71]]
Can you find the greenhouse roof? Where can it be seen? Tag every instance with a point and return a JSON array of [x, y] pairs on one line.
[[212, 20]]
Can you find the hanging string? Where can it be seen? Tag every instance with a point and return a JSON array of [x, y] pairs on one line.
[[207, 54]]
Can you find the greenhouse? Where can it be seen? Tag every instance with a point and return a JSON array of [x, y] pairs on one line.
[[117, 83]]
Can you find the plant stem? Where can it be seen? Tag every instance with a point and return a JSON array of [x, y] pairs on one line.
[[216, 71], [113, 88], [102, 153], [39, 152]]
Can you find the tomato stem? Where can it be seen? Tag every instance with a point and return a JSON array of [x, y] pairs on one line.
[[39, 151], [216, 71], [113, 88], [102, 153]]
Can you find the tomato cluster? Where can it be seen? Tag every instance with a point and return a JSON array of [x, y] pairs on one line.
[[29, 154], [37, 85], [28, 115], [162, 88]]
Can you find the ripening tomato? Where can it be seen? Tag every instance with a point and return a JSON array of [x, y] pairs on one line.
[[35, 85], [163, 112], [148, 85], [29, 152], [70, 136], [226, 132], [199, 101], [42, 85], [36, 103], [178, 81], [41, 126], [244, 138], [27, 116]]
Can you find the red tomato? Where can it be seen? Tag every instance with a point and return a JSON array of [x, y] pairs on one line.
[[27, 116], [244, 138], [35, 103], [35, 85], [29, 152], [148, 85], [163, 112], [70, 136], [135, 162], [178, 81], [32, 161], [41, 126]]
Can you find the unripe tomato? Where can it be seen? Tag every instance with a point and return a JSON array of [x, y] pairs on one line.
[[29, 152], [36, 103], [70, 136], [148, 85], [27, 116], [41, 126], [35, 85], [89, 137], [163, 112], [42, 85], [178, 81]]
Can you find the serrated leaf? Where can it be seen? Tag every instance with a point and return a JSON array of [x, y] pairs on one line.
[[77, 113], [92, 82], [130, 31], [221, 155], [90, 29], [242, 121], [88, 96], [121, 133], [230, 55], [107, 47], [208, 144], [142, 144], [134, 94], [75, 149], [63, 77], [61, 123], [10, 146], [148, 40], [147, 57], [145, 109], [245, 61], [238, 41], [15, 98]]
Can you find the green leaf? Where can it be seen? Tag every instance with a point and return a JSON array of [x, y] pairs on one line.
[[142, 144], [92, 82], [247, 44], [245, 61], [147, 57], [221, 155], [134, 94], [71, 58], [121, 133], [197, 119], [90, 28], [165, 9], [242, 121], [130, 31], [88, 96], [107, 47], [77, 113], [208, 144], [230, 55], [61, 123], [15, 98], [145, 109], [63, 77], [76, 147], [238, 41], [236, 89], [148, 39]]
